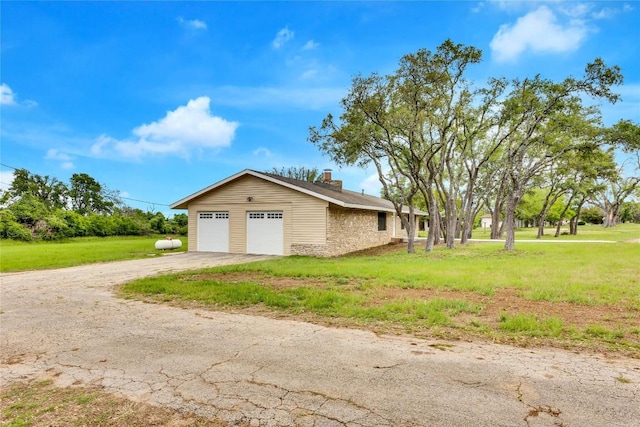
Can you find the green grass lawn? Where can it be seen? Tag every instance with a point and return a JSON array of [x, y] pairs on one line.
[[566, 294], [19, 256], [585, 232]]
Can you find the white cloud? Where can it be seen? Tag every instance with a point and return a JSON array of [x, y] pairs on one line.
[[9, 97], [187, 128], [604, 13], [283, 36], [6, 178], [538, 31], [194, 24], [6, 95], [478, 7], [371, 185], [575, 10], [309, 74], [55, 154], [262, 152], [310, 45]]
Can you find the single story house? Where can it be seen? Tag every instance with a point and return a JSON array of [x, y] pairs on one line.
[[486, 220], [262, 213]]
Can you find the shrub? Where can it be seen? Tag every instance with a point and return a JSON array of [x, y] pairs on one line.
[[592, 215]]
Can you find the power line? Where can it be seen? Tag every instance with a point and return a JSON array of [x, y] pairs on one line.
[[7, 166], [120, 197], [143, 201]]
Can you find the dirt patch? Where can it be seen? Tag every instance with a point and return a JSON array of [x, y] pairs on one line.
[[503, 301], [40, 403], [610, 322], [509, 301]]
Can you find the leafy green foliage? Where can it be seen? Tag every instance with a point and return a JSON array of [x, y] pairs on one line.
[[592, 215], [86, 195], [42, 208], [436, 138]]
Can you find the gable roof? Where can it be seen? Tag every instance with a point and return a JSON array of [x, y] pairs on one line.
[[343, 198]]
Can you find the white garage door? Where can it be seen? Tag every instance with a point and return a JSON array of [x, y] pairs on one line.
[[213, 231], [265, 233]]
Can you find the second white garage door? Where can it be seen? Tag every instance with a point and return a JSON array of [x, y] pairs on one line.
[[265, 233]]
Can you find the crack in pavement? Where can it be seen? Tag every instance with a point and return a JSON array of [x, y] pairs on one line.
[[535, 411]]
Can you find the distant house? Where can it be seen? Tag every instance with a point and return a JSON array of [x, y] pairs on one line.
[[486, 221], [261, 213]]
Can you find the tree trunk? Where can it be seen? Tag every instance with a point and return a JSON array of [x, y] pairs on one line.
[[496, 228], [467, 214], [410, 227], [451, 222], [510, 222], [611, 215], [434, 226], [562, 214], [573, 223], [540, 228]]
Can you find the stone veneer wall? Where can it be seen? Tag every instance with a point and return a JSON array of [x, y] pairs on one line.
[[350, 230], [308, 249]]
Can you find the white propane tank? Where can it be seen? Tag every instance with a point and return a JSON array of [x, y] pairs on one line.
[[168, 243]]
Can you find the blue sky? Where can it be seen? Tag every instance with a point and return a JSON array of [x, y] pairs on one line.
[[160, 99]]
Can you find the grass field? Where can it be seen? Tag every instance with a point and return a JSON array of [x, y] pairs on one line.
[[576, 295], [619, 233], [20, 256]]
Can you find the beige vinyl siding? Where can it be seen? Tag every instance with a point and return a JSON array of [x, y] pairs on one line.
[[304, 216]]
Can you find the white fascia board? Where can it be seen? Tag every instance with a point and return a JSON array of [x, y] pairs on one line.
[[369, 208]]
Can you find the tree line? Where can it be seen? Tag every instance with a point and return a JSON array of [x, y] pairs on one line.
[[37, 207], [457, 148]]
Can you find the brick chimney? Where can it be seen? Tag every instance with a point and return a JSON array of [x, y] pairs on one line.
[[334, 184]]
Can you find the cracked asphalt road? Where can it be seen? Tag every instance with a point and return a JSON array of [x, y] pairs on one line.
[[66, 324]]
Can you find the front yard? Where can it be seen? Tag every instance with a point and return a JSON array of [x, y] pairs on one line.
[[572, 295]]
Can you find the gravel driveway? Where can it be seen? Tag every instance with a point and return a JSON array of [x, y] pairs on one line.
[[66, 324]]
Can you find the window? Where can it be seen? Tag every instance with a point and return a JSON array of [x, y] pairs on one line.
[[382, 221]]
